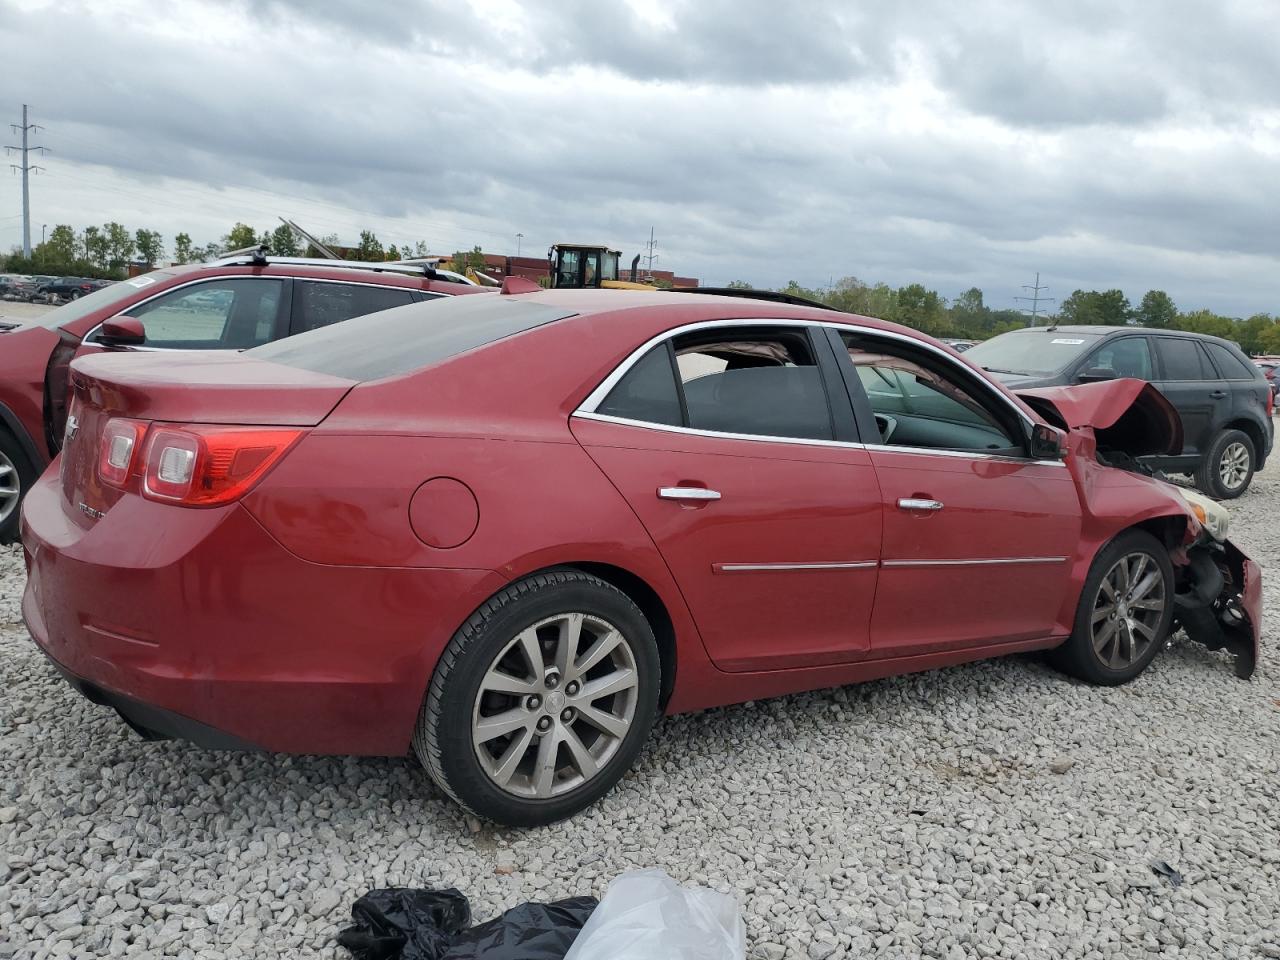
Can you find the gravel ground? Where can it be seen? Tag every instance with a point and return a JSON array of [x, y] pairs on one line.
[[995, 809]]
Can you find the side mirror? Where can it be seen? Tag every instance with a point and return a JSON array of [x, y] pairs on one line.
[[1096, 375], [1046, 442], [122, 332]]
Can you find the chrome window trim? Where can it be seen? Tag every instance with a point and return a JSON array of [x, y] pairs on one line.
[[596, 397], [845, 444], [999, 561], [753, 567]]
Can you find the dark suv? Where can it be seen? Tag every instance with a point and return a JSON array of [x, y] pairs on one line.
[[1223, 398], [233, 304]]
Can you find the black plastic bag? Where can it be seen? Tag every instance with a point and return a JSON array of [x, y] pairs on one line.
[[404, 923], [407, 924]]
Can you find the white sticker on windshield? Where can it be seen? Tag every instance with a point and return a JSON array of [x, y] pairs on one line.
[[140, 281], [1074, 343]]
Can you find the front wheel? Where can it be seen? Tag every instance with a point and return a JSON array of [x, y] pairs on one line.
[[1125, 612], [16, 475], [1228, 465], [542, 700]]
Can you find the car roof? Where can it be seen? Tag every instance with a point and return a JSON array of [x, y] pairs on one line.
[[1113, 330]]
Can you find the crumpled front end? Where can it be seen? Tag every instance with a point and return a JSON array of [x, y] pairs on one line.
[[1218, 598]]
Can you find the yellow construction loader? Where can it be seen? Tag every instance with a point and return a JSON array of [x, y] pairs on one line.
[[578, 265]]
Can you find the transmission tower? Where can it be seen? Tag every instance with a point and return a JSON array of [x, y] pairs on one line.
[[26, 168], [651, 256], [1035, 300]]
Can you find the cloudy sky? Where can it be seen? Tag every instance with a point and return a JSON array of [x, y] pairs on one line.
[[1134, 145]]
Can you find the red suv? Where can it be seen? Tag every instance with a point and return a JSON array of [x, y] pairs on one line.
[[233, 304], [506, 532]]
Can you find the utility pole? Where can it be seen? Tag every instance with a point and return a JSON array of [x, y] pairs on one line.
[[26, 168], [652, 256], [1035, 300]]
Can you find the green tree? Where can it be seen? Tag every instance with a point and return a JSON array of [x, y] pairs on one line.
[[1206, 321], [922, 309], [1106, 308], [242, 235], [738, 285], [120, 246], [969, 314], [369, 248], [283, 242], [1269, 340], [461, 261], [1156, 310], [182, 251], [1250, 332], [95, 246], [61, 247], [150, 246]]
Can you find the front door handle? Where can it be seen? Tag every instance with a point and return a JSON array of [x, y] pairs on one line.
[[915, 503], [688, 493], [1218, 394]]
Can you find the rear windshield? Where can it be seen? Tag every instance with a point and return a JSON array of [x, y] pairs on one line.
[[404, 339], [112, 293], [1031, 353]]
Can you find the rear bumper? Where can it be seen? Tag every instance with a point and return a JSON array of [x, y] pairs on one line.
[[198, 624]]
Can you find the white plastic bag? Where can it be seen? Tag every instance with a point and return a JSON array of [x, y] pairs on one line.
[[645, 915]]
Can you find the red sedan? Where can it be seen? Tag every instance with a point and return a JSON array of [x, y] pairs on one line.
[[506, 532]]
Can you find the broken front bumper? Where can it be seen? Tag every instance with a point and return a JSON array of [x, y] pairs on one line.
[[1219, 603]]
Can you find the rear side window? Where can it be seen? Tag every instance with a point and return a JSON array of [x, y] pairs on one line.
[[1183, 359], [1232, 367], [232, 313], [317, 304], [395, 342], [744, 382]]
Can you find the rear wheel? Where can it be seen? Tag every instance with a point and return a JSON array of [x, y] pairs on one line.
[[542, 700], [16, 476], [1125, 612], [1228, 465]]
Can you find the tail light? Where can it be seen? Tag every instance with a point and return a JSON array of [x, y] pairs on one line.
[[191, 465], [1271, 400]]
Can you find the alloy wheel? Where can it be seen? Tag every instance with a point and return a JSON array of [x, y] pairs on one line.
[[555, 705], [10, 487], [1128, 610], [1233, 467]]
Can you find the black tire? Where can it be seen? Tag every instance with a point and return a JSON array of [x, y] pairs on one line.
[[1210, 474], [443, 738], [15, 471], [1078, 656]]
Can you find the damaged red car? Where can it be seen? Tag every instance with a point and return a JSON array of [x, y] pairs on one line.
[[505, 533]]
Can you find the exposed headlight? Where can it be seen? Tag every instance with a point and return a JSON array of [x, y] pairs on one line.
[[1212, 515]]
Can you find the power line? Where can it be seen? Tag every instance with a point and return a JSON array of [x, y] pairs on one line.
[[1035, 300], [26, 168]]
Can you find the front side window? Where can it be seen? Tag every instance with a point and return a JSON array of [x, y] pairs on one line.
[[749, 381], [318, 304], [924, 404], [233, 313], [568, 269], [1183, 359], [1232, 367], [1125, 357]]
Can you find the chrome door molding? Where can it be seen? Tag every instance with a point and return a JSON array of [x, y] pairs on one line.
[[757, 567], [984, 562]]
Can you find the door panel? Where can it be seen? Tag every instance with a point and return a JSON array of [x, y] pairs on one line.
[[1192, 385], [990, 565], [780, 570]]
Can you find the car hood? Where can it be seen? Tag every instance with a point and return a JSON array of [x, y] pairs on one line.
[[1126, 414]]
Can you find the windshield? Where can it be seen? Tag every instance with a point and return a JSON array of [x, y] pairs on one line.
[[1034, 353], [110, 294]]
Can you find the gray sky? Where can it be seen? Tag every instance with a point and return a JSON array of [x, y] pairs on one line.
[[1133, 145]]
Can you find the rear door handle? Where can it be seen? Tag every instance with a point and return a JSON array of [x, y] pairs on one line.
[[1218, 394], [688, 493], [914, 503]]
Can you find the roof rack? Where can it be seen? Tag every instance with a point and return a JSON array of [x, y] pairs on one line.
[[258, 257], [773, 296]]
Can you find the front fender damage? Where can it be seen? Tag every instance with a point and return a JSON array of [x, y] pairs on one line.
[[1219, 602]]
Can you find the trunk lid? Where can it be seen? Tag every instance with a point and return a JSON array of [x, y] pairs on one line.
[[1127, 415], [208, 388]]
